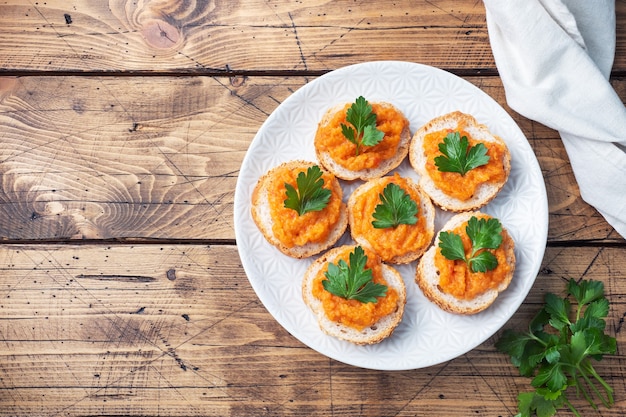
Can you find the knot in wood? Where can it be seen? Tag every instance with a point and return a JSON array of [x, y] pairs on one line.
[[161, 35]]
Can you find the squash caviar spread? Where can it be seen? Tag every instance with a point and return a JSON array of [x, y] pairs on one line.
[[354, 313], [457, 279], [292, 229], [460, 186], [389, 242], [329, 138]]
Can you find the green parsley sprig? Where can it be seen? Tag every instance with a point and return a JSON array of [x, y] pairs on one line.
[[458, 156], [352, 280], [396, 207], [363, 131], [558, 349], [310, 194], [484, 234]]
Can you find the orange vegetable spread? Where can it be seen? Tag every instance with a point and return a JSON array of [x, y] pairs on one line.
[[457, 279], [353, 313], [455, 184], [393, 241], [314, 226], [329, 138]]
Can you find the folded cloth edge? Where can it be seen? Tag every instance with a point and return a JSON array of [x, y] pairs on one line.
[[526, 31], [540, 63]]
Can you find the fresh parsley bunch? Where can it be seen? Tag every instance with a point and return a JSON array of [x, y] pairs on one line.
[[557, 351], [363, 131]]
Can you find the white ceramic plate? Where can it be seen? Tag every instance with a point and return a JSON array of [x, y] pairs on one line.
[[427, 335]]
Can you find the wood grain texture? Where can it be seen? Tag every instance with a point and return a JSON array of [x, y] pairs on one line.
[[123, 128], [177, 330], [102, 158], [245, 36], [155, 158], [276, 35], [238, 35]]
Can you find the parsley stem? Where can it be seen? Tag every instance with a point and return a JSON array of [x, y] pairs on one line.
[[581, 389], [579, 310], [587, 367], [535, 338], [571, 406]]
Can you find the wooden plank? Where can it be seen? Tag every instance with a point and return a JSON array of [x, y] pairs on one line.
[[241, 36], [246, 36], [177, 330], [102, 157], [157, 158]]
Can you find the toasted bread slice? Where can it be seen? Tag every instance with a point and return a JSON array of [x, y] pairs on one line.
[[427, 275], [261, 214], [398, 245], [383, 167], [486, 191], [369, 335]]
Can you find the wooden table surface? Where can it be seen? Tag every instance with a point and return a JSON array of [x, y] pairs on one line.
[[123, 125]]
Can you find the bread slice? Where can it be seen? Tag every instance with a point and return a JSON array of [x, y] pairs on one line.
[[261, 215], [417, 158], [370, 335], [381, 169], [398, 254], [427, 275]]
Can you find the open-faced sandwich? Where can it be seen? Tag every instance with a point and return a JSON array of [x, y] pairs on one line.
[[471, 262], [392, 217], [362, 140], [461, 164], [299, 209], [354, 296]]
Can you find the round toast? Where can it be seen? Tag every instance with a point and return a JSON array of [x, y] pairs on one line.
[[427, 275], [261, 214], [370, 335], [417, 157], [398, 253], [384, 167]]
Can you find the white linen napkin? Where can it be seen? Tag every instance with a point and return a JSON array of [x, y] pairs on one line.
[[555, 58]]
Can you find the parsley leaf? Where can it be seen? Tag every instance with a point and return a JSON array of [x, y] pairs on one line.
[[452, 246], [457, 157], [484, 234], [533, 402], [353, 281], [396, 208], [310, 194], [363, 131], [557, 350]]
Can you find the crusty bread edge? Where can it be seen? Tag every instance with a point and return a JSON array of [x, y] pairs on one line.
[[366, 174], [371, 335], [426, 209], [260, 211], [427, 277], [417, 158]]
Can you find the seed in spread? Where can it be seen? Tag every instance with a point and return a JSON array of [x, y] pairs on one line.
[[389, 242], [352, 312], [457, 277], [463, 186], [330, 138], [293, 229]]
